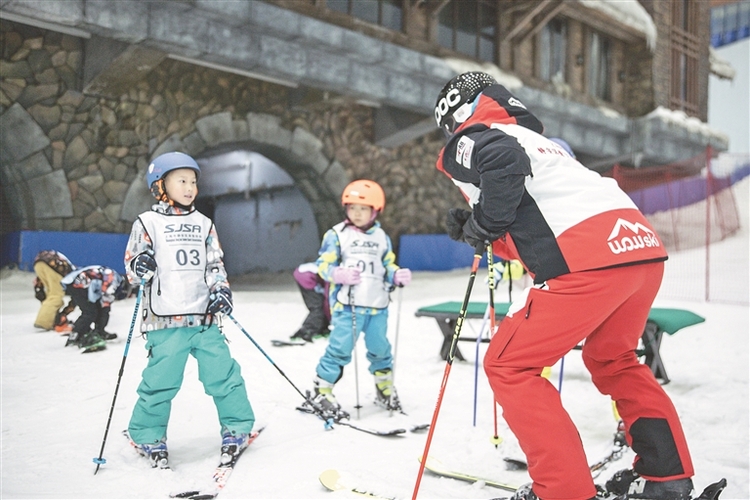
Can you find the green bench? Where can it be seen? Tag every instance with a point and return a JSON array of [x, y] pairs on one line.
[[660, 321]]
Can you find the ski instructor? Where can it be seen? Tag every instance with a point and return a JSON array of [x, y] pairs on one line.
[[597, 265]]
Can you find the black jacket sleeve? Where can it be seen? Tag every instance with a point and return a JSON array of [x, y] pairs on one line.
[[502, 165]]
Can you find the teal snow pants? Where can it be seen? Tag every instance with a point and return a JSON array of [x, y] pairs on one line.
[[162, 378]]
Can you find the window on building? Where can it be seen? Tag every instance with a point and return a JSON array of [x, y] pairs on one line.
[[386, 13], [552, 50], [684, 54], [599, 66], [469, 27]]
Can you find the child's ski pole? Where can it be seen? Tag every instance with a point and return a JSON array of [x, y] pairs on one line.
[[99, 460], [267, 357], [354, 344]]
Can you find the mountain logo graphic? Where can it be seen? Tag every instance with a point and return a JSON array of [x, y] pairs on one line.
[[627, 236]]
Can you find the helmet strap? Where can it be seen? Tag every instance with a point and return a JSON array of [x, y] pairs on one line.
[[159, 191]]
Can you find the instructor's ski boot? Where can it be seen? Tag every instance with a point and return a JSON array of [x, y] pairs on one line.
[[629, 484], [385, 393], [526, 493], [232, 444]]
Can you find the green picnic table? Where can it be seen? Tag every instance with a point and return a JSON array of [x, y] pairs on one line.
[[660, 321]]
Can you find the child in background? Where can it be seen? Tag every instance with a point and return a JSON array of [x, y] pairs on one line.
[[357, 257], [314, 290], [175, 250], [50, 266], [93, 289]]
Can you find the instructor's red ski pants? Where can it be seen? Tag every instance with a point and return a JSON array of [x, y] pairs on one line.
[[609, 309]]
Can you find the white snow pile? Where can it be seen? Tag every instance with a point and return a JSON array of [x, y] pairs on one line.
[[629, 12], [720, 67], [681, 119], [460, 66]]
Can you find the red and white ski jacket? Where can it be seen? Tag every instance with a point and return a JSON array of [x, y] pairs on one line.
[[553, 214]]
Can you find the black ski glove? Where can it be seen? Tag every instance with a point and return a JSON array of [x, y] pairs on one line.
[[144, 266], [476, 236], [454, 223], [220, 301]]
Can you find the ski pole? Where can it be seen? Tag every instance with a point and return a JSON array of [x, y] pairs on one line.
[[476, 360], [267, 356], [560, 379], [395, 338], [510, 281], [496, 440], [99, 460], [448, 364], [354, 343]]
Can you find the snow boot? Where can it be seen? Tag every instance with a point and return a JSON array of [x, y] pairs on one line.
[[385, 392], [526, 493], [156, 453], [629, 484], [91, 342], [302, 335], [232, 444], [325, 402], [106, 335]]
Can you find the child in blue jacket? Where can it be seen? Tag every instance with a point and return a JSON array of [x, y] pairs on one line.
[[357, 258]]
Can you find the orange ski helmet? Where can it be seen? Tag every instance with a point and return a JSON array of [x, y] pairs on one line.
[[364, 192]]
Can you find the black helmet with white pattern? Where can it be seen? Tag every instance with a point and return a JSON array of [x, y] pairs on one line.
[[453, 105]]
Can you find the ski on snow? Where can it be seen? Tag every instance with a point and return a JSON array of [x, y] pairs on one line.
[[286, 343], [436, 467], [219, 477], [331, 422], [332, 480], [710, 492]]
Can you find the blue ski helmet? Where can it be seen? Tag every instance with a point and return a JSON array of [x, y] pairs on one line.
[[163, 164]]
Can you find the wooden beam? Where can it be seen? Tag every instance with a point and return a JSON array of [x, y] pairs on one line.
[[525, 20], [547, 18], [434, 7]]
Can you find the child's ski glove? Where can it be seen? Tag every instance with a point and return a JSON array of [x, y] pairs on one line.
[[347, 276], [402, 277], [220, 302], [144, 266]]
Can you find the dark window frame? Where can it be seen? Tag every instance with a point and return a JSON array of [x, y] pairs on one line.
[[599, 65], [485, 37], [352, 7], [550, 50], [684, 48]]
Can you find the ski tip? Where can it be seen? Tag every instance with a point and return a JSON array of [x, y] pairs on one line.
[[514, 464], [184, 494], [713, 490], [330, 479]]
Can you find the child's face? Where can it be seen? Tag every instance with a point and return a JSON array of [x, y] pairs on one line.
[[359, 214], [181, 186]]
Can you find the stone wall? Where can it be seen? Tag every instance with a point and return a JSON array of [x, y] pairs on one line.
[[70, 160]]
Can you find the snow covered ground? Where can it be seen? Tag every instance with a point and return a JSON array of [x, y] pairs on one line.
[[55, 403]]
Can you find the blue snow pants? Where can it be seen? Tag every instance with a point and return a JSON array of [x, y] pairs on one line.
[[162, 378], [341, 343]]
